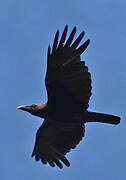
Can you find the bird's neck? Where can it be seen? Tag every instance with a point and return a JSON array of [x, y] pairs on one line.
[[41, 111]]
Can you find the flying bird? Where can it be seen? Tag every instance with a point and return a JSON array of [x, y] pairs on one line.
[[68, 85]]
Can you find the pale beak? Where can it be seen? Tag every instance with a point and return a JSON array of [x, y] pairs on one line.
[[24, 108]]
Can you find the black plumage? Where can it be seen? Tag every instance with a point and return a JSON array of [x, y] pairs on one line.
[[68, 85]]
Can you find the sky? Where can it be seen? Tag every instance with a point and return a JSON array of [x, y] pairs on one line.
[[27, 27]]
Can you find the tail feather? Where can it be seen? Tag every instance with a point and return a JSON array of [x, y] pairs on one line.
[[103, 118]]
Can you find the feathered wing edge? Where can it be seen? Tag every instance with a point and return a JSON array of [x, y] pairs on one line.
[[66, 57], [71, 48], [54, 139]]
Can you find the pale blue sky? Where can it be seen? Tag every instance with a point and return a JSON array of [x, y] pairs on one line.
[[26, 29]]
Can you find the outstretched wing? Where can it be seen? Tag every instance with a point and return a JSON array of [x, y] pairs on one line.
[[67, 80], [54, 139]]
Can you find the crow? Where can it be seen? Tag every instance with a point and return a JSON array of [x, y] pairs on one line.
[[68, 85]]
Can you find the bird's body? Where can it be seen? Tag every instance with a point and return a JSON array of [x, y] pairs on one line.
[[68, 84]]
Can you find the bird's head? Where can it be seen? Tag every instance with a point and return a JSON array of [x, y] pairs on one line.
[[35, 109]]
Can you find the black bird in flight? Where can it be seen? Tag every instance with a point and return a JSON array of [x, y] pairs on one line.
[[68, 84]]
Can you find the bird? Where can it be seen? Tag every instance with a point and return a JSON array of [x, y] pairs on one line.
[[69, 88]]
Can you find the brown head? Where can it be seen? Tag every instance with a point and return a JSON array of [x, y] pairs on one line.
[[35, 109]]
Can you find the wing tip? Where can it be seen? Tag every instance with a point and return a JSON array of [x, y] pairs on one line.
[[57, 32], [88, 41], [66, 26], [75, 28], [83, 32]]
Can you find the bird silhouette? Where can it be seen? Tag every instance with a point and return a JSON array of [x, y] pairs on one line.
[[68, 85]]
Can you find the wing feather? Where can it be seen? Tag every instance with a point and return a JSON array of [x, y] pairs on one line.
[[70, 39], [54, 139], [55, 41], [78, 40], [67, 79], [63, 37]]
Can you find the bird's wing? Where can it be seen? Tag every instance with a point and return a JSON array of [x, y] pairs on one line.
[[67, 79], [54, 139]]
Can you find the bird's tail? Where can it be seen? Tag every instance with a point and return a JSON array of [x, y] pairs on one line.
[[103, 118]]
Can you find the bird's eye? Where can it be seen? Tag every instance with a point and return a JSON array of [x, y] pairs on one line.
[[33, 105]]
